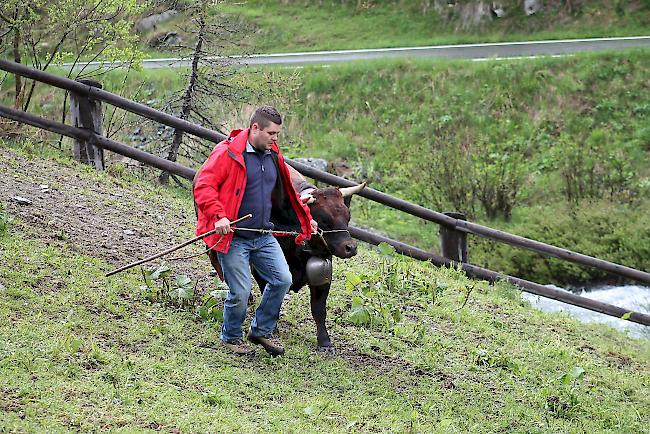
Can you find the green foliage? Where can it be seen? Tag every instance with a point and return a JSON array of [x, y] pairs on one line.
[[562, 396], [4, 220], [375, 296], [483, 139], [182, 292], [369, 292], [158, 286], [495, 359], [301, 25], [45, 33], [597, 168], [212, 307], [604, 229], [75, 343]]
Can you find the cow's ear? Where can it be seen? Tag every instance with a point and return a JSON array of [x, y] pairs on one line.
[[347, 200]]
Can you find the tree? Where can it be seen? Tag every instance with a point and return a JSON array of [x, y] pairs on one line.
[[46, 32], [209, 79]]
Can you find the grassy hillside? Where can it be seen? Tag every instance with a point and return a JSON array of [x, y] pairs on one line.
[[82, 352], [299, 25], [496, 140]]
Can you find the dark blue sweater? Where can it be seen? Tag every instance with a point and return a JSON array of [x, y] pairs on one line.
[[261, 176]]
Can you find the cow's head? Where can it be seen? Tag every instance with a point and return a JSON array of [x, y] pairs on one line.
[[330, 208]]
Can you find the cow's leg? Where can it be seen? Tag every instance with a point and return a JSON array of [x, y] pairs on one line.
[[214, 260], [259, 279], [318, 311]]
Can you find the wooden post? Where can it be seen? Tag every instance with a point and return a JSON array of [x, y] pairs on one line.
[[86, 113], [369, 193], [453, 243]]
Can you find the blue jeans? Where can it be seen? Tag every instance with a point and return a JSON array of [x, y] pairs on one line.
[[265, 254]]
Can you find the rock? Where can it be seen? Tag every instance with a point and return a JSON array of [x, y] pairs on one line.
[[168, 39], [531, 7], [128, 232], [152, 21], [498, 10], [341, 168], [473, 14], [316, 163], [21, 200]]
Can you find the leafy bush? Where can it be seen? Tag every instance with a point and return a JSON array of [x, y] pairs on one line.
[[606, 230], [161, 285], [485, 139], [377, 296], [562, 395]]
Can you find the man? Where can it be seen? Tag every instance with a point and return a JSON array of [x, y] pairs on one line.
[[246, 174]]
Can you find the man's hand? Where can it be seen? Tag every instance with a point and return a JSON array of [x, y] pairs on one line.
[[223, 226], [314, 226]]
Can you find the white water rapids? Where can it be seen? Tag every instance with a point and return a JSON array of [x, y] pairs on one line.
[[633, 297]]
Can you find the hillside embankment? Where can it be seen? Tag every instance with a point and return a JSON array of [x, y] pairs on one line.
[[84, 353], [556, 150], [263, 26]]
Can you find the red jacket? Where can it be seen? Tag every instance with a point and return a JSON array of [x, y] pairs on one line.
[[220, 184]]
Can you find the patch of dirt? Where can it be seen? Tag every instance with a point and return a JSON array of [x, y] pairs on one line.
[[97, 218], [619, 360], [11, 402], [382, 365]]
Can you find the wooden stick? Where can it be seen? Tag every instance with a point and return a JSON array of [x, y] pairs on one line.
[[173, 249]]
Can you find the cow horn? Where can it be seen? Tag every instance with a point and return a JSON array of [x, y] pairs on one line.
[[349, 191]]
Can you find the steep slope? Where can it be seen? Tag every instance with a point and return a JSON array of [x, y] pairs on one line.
[[84, 353]]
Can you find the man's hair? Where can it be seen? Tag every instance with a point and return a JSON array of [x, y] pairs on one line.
[[264, 115]]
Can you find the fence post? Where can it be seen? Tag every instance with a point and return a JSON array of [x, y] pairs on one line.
[[87, 113], [453, 243]]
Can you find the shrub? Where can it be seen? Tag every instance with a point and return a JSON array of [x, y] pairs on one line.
[[614, 232]]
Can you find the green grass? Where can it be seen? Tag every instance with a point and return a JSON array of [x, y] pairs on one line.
[[390, 114], [434, 133], [419, 129], [287, 26], [81, 352]]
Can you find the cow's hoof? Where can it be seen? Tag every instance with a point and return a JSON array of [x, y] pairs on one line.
[[326, 349]]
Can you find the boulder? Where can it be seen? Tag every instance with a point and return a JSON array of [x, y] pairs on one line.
[[316, 163], [150, 22], [168, 39], [531, 7], [341, 168], [498, 10], [473, 14]]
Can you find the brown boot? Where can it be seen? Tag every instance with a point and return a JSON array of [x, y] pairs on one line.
[[239, 347], [271, 344]]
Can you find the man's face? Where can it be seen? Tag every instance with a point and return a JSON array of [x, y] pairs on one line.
[[263, 139]]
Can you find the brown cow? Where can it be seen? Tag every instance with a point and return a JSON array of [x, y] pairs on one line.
[[311, 264]]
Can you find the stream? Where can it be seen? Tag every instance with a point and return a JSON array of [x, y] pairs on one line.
[[633, 297]]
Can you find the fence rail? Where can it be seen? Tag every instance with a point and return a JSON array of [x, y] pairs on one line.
[[476, 229], [369, 193]]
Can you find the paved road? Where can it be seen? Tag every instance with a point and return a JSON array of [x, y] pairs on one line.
[[467, 51]]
